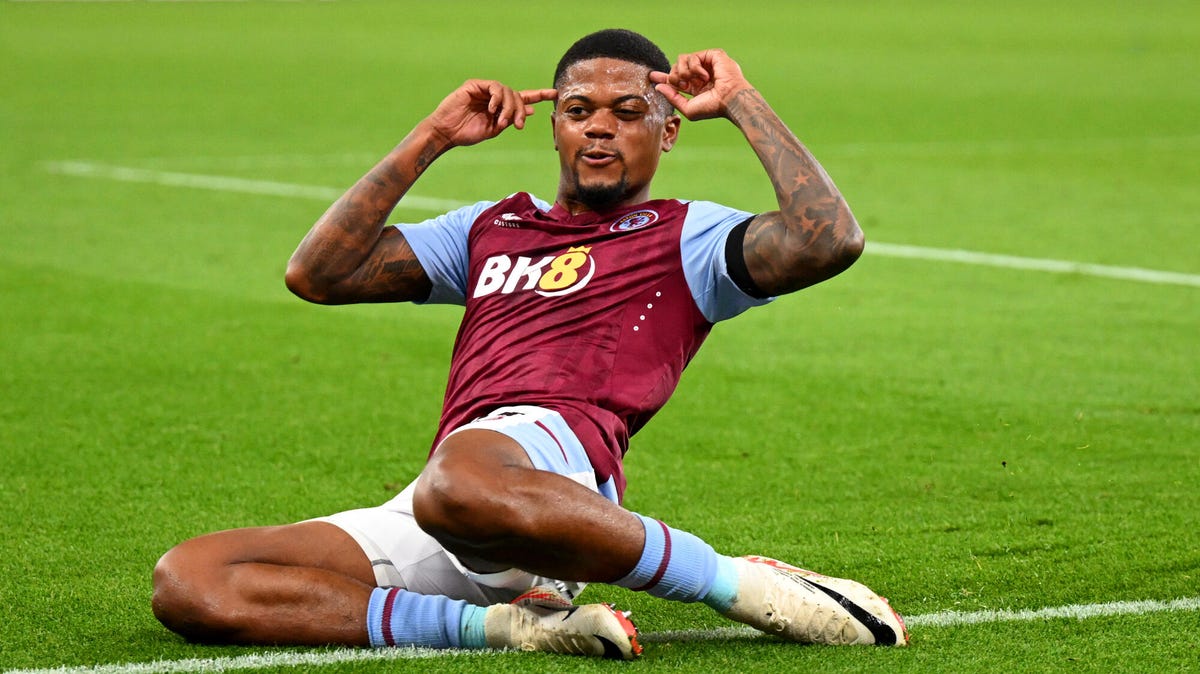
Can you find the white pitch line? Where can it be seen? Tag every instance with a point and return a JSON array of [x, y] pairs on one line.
[[86, 169], [1034, 264], [261, 661], [340, 655], [957, 618], [219, 183], [1076, 611], [1093, 145]]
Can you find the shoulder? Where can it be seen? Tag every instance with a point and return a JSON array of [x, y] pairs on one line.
[[700, 210], [704, 251], [710, 221]]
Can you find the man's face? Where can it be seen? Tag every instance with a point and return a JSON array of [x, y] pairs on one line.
[[610, 127]]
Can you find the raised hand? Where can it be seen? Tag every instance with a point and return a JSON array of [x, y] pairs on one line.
[[710, 77], [481, 109]]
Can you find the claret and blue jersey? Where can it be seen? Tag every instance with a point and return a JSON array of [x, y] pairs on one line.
[[592, 315]]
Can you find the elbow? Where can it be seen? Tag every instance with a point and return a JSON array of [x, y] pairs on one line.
[[837, 248], [844, 248], [836, 256], [849, 243], [810, 265], [300, 280], [826, 265], [851, 249]]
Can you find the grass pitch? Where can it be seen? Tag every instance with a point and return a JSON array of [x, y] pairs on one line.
[[960, 437]]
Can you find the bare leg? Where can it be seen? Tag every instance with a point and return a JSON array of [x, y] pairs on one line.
[[310, 583], [306, 583], [481, 497]]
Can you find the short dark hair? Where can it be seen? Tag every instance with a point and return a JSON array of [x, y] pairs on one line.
[[617, 43]]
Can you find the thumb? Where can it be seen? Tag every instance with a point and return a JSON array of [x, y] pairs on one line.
[[673, 97]]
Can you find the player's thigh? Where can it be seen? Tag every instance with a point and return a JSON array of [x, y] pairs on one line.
[[310, 544]]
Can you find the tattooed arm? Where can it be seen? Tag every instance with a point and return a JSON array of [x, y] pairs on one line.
[[350, 255], [813, 236]]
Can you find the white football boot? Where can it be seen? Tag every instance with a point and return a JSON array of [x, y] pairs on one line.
[[803, 606], [545, 620]]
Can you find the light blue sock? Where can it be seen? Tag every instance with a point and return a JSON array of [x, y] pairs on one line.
[[471, 627], [724, 588], [680, 566], [397, 617]]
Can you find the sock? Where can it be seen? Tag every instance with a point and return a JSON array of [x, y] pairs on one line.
[[471, 633], [680, 566], [724, 588], [397, 617]]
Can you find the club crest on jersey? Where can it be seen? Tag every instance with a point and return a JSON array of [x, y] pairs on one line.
[[551, 276], [635, 220]]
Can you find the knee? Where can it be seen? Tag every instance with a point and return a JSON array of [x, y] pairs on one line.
[[184, 598], [464, 508]]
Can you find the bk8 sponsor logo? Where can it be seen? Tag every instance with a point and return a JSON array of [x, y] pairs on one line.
[[551, 276]]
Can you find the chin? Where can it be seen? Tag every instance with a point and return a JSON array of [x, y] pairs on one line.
[[602, 196], [601, 199]]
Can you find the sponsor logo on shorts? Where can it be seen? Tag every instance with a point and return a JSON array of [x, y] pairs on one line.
[[635, 220], [551, 276]]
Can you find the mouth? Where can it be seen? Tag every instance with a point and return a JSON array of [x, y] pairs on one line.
[[598, 157]]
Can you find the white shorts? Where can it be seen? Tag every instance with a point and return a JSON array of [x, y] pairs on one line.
[[403, 555]]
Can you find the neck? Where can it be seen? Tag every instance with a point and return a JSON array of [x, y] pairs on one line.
[[575, 205]]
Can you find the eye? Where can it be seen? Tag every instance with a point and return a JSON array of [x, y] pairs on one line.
[[575, 110]]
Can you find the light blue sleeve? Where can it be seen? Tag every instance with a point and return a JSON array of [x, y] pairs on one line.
[[441, 247], [702, 244]]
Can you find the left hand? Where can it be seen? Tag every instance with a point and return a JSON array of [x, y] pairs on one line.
[[710, 77]]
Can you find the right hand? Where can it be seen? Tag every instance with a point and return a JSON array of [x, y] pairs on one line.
[[480, 109]]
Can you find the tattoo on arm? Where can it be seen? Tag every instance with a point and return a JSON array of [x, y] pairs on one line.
[[371, 203], [350, 255], [806, 240], [391, 273]]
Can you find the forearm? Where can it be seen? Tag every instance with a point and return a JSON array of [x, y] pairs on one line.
[[814, 235], [348, 231]]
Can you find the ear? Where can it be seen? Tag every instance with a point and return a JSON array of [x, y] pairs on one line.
[[670, 133], [554, 128]]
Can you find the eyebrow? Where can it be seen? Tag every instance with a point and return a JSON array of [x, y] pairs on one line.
[[619, 100]]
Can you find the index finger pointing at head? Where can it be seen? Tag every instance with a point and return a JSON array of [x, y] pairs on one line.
[[538, 95]]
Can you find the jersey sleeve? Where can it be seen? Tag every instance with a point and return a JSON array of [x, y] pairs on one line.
[[702, 245], [440, 245]]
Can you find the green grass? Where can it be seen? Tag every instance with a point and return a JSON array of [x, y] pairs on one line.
[[959, 437]]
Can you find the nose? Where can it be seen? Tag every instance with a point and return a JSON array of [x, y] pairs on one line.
[[601, 124]]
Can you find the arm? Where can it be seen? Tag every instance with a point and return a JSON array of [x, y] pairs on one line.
[[813, 236], [350, 255]]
